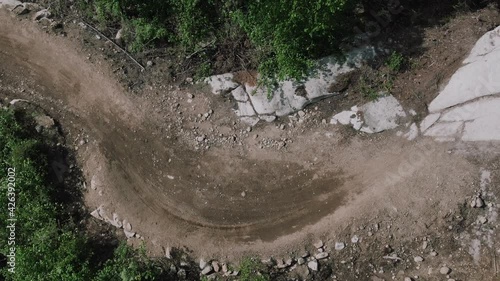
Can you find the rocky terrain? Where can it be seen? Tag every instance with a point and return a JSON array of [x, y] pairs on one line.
[[316, 184]]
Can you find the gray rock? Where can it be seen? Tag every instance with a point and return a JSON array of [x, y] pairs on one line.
[[318, 244], [222, 84], [382, 114], [216, 266], [355, 239], [313, 265], [445, 270], [418, 259], [339, 246], [301, 261], [479, 202], [42, 14], [207, 270], [119, 35], [129, 234], [321, 256], [203, 264]]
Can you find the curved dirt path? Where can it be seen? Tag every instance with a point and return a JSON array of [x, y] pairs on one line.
[[174, 195]]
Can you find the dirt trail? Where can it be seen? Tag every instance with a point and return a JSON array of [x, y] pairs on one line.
[[226, 201]]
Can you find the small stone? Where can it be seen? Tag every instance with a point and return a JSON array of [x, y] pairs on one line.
[[434, 253], [445, 270], [224, 268], [243, 194], [216, 266], [418, 259], [129, 234], [313, 265], [189, 80], [321, 256], [203, 263], [479, 202], [207, 270], [190, 96], [301, 261], [149, 63], [424, 245], [302, 113], [408, 279], [482, 219], [355, 239], [339, 246], [42, 14], [318, 244]]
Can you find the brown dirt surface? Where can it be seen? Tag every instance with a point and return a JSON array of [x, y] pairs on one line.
[[183, 170]]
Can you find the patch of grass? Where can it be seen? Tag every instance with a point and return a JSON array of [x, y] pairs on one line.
[[253, 270], [367, 91], [395, 62]]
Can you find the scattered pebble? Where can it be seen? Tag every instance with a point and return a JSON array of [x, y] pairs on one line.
[[339, 246], [445, 270]]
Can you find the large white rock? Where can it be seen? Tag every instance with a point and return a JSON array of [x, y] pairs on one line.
[[382, 114], [9, 3], [468, 108], [479, 78], [221, 84], [450, 129], [285, 99], [488, 43], [429, 121], [240, 94], [260, 100], [245, 109]]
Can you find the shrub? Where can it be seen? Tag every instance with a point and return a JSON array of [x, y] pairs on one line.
[[395, 62], [293, 32]]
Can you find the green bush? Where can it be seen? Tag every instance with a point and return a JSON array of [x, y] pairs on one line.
[[47, 246], [286, 35], [291, 33]]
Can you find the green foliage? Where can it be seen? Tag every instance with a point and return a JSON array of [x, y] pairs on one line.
[[286, 35], [45, 250], [46, 247], [395, 62], [253, 270], [145, 32], [293, 32], [128, 265], [204, 70]]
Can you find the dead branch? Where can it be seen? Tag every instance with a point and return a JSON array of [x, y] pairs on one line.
[[116, 45]]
